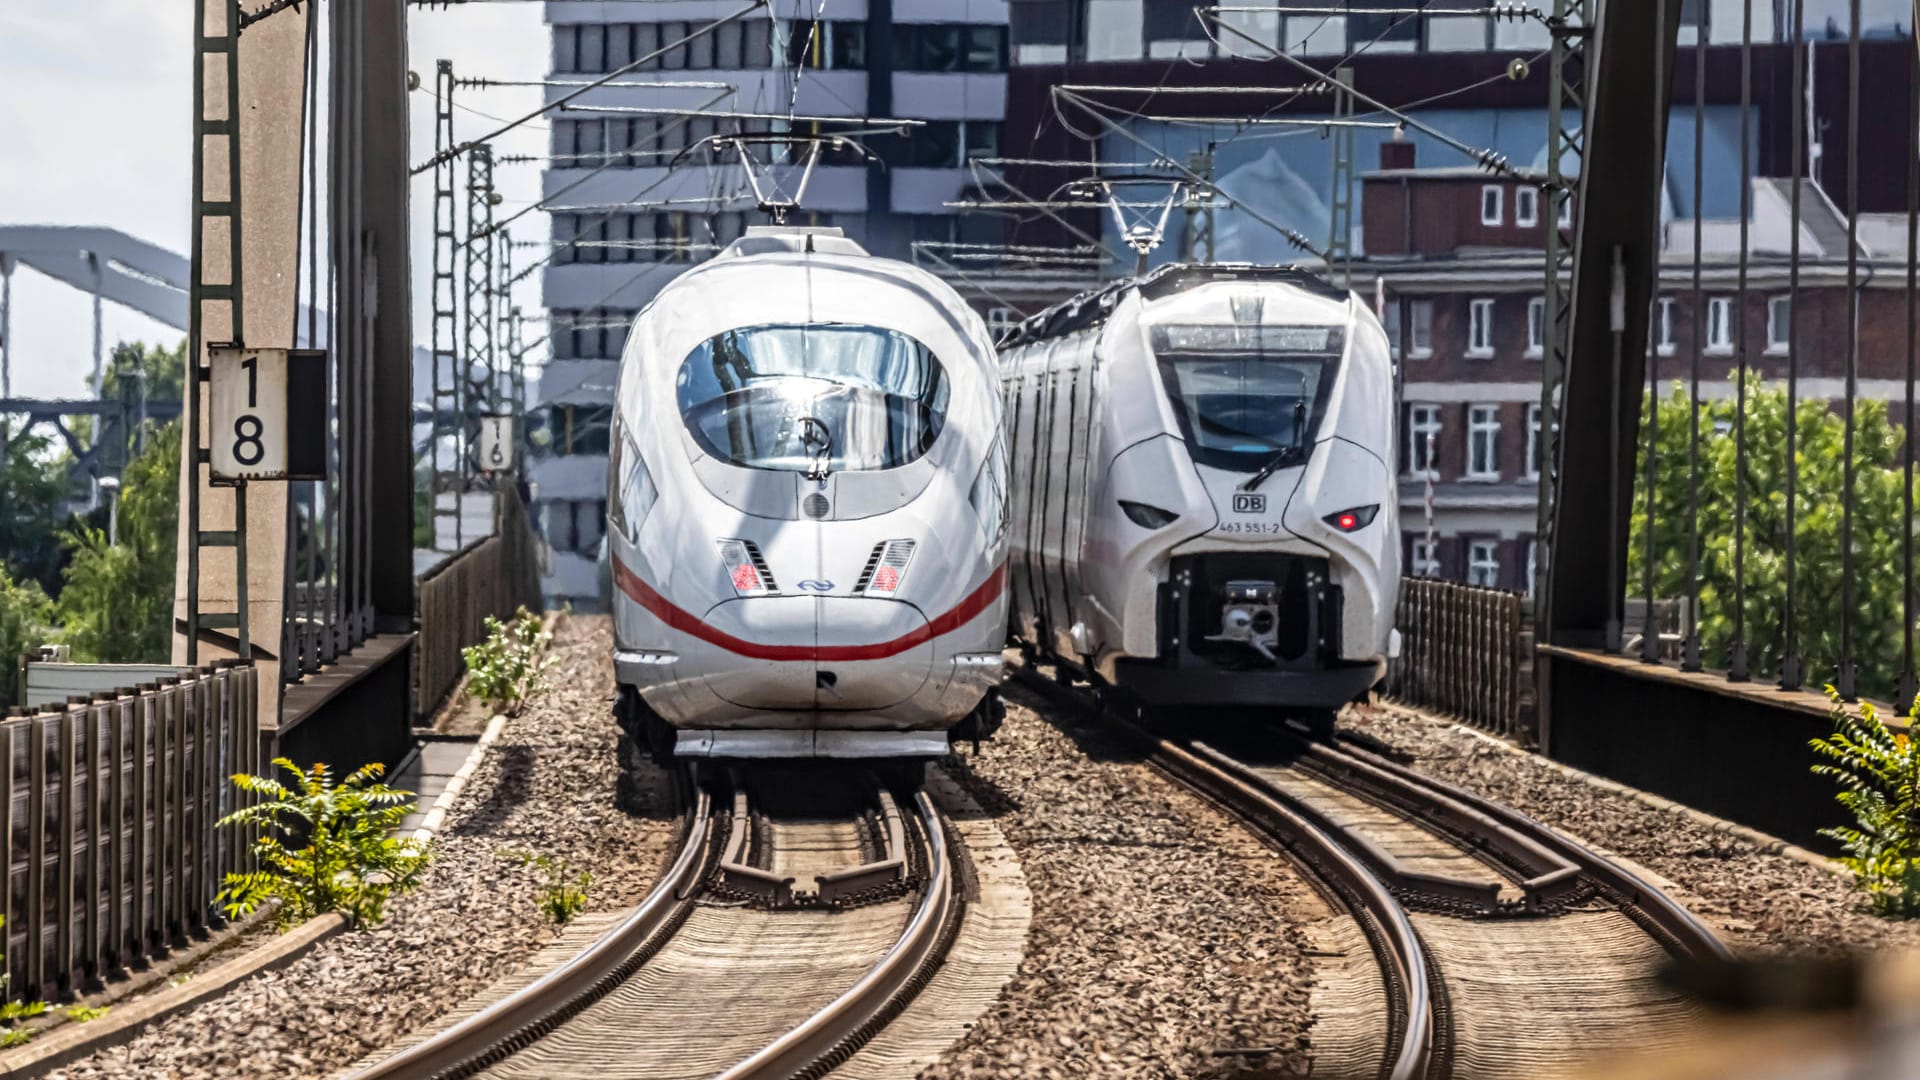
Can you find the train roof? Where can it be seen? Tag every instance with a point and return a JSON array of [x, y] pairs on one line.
[[1091, 308]]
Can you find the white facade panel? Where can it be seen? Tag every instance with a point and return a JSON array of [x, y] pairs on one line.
[[625, 287], [943, 96], [947, 11], [925, 191]]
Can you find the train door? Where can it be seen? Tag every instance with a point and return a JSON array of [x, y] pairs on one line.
[[1017, 419], [1046, 488]]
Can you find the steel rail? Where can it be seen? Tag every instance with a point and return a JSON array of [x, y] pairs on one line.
[[524, 1015], [1389, 930], [825, 1039], [1691, 938]]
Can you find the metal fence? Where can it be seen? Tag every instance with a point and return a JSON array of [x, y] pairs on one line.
[[493, 576], [107, 822], [1463, 651]]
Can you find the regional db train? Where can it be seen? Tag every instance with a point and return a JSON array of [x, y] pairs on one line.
[[1204, 509], [807, 520]]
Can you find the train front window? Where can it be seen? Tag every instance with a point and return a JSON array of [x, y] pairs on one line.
[[1247, 396], [814, 399]]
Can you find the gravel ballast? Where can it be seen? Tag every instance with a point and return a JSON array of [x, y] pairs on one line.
[[1760, 901], [547, 786], [1166, 940]]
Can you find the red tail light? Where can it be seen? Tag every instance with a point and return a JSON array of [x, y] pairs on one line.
[[1353, 520], [745, 568]]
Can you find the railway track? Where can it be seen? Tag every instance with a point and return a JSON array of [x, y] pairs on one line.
[[1504, 947], [787, 931]]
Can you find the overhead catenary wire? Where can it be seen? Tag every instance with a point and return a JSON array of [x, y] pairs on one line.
[[560, 102], [1488, 159], [1292, 236]]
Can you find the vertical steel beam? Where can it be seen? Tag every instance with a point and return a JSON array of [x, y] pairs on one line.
[[1340, 190], [1630, 50], [216, 218], [1570, 26], [479, 364], [388, 500], [447, 401]]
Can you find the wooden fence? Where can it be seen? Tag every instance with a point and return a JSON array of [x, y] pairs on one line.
[[492, 576], [108, 807], [1465, 651]]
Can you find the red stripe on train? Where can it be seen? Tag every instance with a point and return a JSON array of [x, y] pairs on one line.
[[686, 622]]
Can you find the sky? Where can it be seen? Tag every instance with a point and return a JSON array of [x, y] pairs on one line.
[[95, 122]]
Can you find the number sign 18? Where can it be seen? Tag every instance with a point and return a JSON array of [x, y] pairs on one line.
[[247, 424]]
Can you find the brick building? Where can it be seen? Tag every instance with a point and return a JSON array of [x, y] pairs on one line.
[[1455, 256]]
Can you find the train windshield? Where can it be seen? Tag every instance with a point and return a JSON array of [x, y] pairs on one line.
[[1248, 396], [814, 398]]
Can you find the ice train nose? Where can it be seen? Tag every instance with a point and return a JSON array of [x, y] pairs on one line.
[[815, 652]]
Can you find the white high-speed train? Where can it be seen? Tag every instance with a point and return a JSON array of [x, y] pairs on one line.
[[807, 517], [1204, 505]]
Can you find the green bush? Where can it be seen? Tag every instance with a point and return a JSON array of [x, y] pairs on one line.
[[505, 670], [563, 893], [1878, 771], [348, 859], [12, 1012], [24, 617]]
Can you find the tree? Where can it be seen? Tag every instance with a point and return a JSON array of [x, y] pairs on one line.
[[32, 506], [1819, 492], [117, 604], [24, 612], [164, 369]]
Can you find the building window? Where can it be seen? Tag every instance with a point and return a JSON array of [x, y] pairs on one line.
[[1533, 441], [1526, 207], [1039, 34], [1483, 563], [1663, 326], [1779, 323], [1720, 324], [1423, 440], [1480, 328], [1483, 442], [1536, 326], [1565, 216], [1533, 564], [1425, 560], [1420, 329], [1000, 320], [1490, 211]]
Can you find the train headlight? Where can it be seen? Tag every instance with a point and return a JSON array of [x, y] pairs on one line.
[[1355, 519], [1146, 515], [745, 568], [886, 568]]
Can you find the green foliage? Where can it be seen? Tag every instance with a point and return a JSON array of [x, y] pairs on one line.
[[422, 508], [563, 893], [81, 1014], [117, 605], [505, 669], [348, 860], [1818, 496], [24, 615], [164, 369], [12, 1012], [1878, 771], [33, 509]]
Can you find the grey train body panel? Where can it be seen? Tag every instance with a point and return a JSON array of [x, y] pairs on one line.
[[1204, 503]]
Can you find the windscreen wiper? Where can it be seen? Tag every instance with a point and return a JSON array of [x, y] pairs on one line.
[[815, 435], [1286, 454]]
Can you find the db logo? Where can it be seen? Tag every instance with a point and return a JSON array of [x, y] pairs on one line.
[[1249, 502]]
